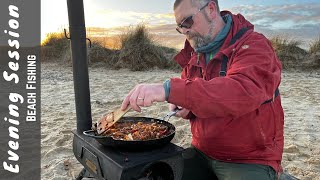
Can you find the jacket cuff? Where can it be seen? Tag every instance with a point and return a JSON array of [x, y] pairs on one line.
[[178, 92], [166, 86]]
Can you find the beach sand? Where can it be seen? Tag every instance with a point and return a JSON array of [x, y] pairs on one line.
[[300, 99]]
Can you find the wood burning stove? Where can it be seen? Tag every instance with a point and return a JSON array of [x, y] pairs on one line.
[[110, 163], [106, 162]]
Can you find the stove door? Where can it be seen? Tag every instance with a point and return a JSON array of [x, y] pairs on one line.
[[91, 162]]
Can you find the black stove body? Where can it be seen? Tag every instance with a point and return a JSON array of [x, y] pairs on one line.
[[104, 162], [113, 164]]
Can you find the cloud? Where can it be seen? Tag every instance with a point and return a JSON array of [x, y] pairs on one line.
[[110, 18], [280, 16], [298, 21], [276, 17]]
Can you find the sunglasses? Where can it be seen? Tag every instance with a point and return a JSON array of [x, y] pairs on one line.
[[188, 22]]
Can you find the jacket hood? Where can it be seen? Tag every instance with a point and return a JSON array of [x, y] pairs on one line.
[[238, 22]]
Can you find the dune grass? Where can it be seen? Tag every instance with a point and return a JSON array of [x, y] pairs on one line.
[[294, 57], [286, 45], [54, 46], [137, 50], [289, 52], [56, 39], [314, 51], [315, 46]]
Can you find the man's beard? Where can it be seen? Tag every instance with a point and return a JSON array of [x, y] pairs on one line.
[[197, 40]]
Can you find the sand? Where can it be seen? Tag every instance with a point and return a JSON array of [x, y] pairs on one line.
[[300, 99]]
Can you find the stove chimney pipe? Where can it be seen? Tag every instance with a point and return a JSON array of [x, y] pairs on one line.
[[80, 64]]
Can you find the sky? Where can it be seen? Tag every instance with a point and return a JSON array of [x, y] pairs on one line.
[[300, 18]]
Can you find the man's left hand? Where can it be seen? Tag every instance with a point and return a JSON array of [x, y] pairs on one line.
[[183, 112]]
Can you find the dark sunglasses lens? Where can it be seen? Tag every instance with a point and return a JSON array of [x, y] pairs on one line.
[[187, 23]]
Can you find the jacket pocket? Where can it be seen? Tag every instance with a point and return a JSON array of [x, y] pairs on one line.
[[261, 136]]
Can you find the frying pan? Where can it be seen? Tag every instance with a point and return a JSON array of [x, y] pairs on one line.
[[135, 145]]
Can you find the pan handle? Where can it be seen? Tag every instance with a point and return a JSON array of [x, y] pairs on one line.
[[172, 113], [89, 133]]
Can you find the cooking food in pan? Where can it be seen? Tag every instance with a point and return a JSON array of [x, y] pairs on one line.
[[136, 131], [146, 129], [110, 119]]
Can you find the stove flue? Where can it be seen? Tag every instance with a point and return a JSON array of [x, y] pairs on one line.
[[80, 64]]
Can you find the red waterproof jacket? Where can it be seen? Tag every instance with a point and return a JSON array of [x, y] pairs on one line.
[[229, 121]]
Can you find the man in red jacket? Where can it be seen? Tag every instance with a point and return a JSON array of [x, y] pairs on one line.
[[229, 91]]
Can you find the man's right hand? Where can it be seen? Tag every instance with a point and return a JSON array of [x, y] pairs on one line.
[[183, 112]]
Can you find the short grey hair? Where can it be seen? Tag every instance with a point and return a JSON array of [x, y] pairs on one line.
[[196, 3]]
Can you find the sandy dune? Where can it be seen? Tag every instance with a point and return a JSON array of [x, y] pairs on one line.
[[300, 96]]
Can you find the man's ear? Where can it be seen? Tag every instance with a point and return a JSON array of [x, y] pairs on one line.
[[213, 9]]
